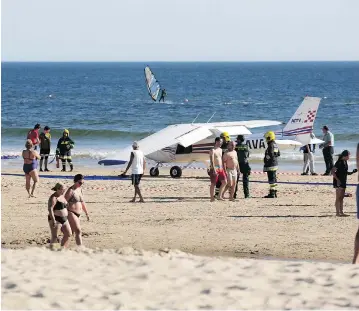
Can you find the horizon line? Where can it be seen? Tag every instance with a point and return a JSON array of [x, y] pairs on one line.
[[179, 61]]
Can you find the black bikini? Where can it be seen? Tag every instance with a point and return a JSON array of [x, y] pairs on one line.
[[58, 207]]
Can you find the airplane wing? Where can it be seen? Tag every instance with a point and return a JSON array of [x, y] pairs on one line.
[[248, 124], [288, 142], [184, 134]]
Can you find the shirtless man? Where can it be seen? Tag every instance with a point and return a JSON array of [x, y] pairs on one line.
[[216, 169], [231, 167]]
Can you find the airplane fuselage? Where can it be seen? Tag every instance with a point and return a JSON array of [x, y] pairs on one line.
[[199, 152]]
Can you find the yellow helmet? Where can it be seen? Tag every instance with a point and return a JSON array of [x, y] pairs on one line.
[[226, 137], [67, 131], [269, 136]]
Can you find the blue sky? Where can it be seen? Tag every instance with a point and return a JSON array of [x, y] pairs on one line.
[[179, 30]]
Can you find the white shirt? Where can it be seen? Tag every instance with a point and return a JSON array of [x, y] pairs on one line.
[[137, 162]]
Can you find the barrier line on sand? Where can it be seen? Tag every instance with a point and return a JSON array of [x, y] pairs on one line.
[[100, 177]]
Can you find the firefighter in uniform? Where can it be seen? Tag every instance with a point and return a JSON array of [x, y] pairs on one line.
[[63, 150], [225, 140], [243, 155], [271, 163]]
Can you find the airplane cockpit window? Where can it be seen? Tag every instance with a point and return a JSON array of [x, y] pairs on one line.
[[183, 150]]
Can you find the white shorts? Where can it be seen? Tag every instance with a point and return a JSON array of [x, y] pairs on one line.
[[232, 174]]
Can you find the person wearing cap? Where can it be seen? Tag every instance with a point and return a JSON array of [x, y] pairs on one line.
[[63, 150], [340, 174], [33, 135], [356, 240], [58, 216], [328, 150], [271, 163], [138, 165], [243, 155], [45, 146]]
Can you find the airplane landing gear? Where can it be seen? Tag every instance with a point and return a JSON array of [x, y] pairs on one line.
[[154, 172], [175, 172]]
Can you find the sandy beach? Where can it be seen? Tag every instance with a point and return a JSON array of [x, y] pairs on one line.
[[178, 219]]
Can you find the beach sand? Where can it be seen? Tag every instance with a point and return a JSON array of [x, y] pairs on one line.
[[37, 278], [300, 224]]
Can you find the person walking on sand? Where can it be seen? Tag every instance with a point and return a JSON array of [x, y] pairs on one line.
[[45, 146], [216, 171], [356, 240], [138, 164], [30, 157], [58, 216], [340, 174], [76, 205], [231, 167], [328, 150]]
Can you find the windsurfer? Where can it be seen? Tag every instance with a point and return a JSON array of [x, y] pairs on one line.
[[163, 95]]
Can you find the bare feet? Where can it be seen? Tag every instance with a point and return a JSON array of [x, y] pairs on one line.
[[212, 200]]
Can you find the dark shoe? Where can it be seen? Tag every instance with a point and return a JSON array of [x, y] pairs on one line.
[[46, 170], [275, 193], [63, 170], [314, 174], [41, 170], [271, 195], [247, 197], [303, 174], [326, 174]]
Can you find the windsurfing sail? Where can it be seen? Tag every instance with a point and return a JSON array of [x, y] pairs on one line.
[[152, 84]]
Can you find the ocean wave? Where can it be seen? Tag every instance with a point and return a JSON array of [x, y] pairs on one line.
[[79, 133]]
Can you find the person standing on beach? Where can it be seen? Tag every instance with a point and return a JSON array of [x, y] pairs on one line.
[[225, 139], [271, 163], [58, 215], [328, 150], [33, 135], [242, 156], [231, 167], [356, 240], [63, 150], [30, 157], [138, 164], [76, 205], [216, 171], [340, 174], [45, 146]]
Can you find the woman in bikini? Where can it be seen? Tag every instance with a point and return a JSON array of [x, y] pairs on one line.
[[76, 205], [58, 216], [340, 174], [30, 157]]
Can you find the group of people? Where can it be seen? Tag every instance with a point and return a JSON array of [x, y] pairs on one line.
[[43, 142], [229, 159], [328, 152], [65, 208]]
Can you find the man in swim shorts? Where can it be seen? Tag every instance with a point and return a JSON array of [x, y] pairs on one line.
[[231, 167], [216, 171]]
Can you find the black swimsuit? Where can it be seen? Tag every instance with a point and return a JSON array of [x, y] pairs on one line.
[[58, 207]]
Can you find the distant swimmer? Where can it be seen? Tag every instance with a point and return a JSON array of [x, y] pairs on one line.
[[63, 150], [163, 95]]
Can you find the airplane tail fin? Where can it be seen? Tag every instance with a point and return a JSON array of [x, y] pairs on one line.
[[302, 121]]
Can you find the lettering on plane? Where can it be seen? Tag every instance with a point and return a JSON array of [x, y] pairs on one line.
[[296, 120], [256, 143]]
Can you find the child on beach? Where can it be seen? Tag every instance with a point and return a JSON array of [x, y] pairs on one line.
[[340, 174]]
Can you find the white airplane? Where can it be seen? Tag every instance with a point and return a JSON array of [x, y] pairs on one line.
[[188, 143]]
